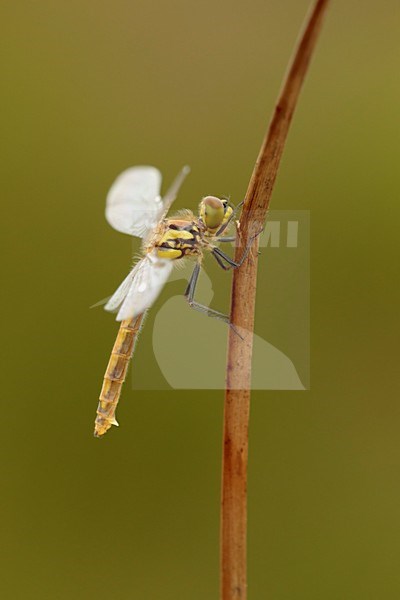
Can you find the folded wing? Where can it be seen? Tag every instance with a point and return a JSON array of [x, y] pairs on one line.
[[134, 202], [141, 288], [134, 205], [173, 190]]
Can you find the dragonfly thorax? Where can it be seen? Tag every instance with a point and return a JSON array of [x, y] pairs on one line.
[[178, 239]]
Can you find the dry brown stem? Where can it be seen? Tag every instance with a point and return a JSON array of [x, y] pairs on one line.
[[238, 382]]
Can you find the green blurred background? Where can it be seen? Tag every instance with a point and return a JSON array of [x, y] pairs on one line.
[[90, 88]]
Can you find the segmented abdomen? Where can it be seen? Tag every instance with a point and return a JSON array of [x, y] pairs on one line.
[[116, 373]]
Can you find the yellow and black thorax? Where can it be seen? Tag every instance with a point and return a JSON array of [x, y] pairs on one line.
[[178, 239]]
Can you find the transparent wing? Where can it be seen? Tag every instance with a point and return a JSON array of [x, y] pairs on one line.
[[119, 295], [141, 288], [133, 203], [172, 191]]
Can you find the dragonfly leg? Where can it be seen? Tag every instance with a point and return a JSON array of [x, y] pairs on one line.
[[221, 256], [230, 238], [210, 312], [220, 261]]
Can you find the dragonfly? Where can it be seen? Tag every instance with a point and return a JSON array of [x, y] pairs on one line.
[[135, 207]]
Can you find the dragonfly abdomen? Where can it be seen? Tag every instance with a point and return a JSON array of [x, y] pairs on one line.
[[115, 374]]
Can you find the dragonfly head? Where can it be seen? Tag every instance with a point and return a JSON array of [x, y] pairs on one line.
[[214, 212]]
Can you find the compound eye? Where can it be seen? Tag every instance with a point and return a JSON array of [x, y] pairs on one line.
[[212, 211]]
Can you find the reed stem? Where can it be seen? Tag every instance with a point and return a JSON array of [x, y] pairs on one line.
[[238, 376]]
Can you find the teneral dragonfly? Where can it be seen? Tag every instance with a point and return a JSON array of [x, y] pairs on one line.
[[134, 206]]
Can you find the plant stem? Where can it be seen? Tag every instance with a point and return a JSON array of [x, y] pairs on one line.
[[238, 379]]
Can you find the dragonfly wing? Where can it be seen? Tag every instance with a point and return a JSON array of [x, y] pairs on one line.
[[149, 277], [173, 190], [120, 294], [133, 202]]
